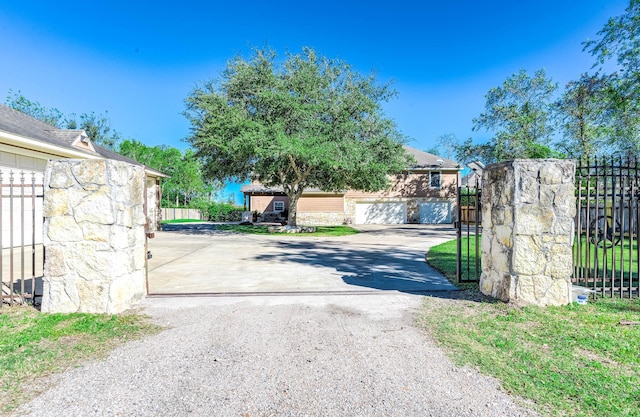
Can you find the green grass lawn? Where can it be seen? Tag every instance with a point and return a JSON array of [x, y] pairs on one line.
[[574, 360], [34, 345], [443, 258], [181, 221], [596, 261], [321, 231]]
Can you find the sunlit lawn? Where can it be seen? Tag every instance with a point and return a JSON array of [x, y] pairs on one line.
[[443, 258], [321, 231], [34, 344], [573, 360]]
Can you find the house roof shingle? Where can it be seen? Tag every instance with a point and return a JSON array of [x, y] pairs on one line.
[[429, 160], [18, 123], [424, 160]]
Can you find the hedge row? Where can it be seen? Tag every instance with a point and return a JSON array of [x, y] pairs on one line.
[[223, 212]]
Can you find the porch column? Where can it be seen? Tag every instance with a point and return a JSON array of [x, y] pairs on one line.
[[528, 211]]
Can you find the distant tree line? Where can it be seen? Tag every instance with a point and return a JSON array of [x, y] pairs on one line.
[[185, 186], [97, 126], [599, 113]]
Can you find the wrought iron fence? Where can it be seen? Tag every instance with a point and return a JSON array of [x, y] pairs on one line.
[[21, 233], [606, 251], [469, 233]]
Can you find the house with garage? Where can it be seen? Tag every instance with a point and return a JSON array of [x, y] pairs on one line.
[[424, 193], [26, 144]]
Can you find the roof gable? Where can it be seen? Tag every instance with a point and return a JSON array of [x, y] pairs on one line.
[[426, 160], [25, 126]]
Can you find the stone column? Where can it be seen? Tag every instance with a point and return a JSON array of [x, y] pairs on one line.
[[528, 211], [94, 236]]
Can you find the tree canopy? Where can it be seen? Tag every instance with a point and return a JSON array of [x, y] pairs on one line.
[[97, 126], [619, 39], [518, 113], [307, 121], [185, 185], [599, 113], [583, 113]]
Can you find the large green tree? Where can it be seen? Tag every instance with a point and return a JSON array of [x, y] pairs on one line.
[[518, 113], [583, 114], [307, 121], [185, 185], [619, 40]]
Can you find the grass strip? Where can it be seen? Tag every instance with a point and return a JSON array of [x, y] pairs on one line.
[[34, 345], [321, 231], [443, 258], [181, 221], [574, 360]]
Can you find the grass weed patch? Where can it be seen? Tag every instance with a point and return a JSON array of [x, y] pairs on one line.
[[321, 231], [574, 360], [34, 345], [177, 221]]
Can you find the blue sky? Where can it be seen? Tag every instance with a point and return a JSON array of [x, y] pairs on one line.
[[138, 60]]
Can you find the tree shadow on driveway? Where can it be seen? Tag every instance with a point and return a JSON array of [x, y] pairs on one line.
[[375, 266]]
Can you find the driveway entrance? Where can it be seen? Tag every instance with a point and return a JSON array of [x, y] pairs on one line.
[[198, 259]]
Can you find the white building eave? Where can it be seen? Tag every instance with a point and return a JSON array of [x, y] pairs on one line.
[[28, 146]]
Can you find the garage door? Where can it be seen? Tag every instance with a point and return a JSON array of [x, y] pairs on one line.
[[381, 213], [435, 212]]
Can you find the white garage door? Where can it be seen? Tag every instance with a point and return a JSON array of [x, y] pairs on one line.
[[435, 212], [381, 213]]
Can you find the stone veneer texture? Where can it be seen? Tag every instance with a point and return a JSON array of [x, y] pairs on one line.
[[94, 236], [527, 231]]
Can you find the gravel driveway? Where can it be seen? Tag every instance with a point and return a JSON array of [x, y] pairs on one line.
[[330, 355]]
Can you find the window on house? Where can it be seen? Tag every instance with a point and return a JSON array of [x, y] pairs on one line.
[[278, 206], [435, 179]]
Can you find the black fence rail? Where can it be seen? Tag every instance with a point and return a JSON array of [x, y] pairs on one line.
[[21, 234], [469, 234], [606, 249]]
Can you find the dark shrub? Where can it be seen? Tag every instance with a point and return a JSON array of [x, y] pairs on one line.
[[224, 212]]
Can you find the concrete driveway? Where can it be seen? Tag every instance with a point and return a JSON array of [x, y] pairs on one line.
[[198, 259], [330, 355]]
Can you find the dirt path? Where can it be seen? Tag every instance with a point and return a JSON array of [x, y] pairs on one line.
[[347, 355]]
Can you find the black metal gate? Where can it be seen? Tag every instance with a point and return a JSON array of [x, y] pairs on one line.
[[21, 234], [469, 233], [606, 251]]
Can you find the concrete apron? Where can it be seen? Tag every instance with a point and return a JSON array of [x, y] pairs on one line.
[[193, 259]]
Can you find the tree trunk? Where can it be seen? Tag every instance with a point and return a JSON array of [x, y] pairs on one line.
[[293, 209]]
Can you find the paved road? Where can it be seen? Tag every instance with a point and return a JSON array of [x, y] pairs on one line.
[[195, 258]]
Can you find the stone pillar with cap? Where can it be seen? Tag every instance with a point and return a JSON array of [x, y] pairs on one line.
[[528, 211]]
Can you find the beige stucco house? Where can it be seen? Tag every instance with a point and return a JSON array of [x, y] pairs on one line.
[[26, 144], [424, 193]]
